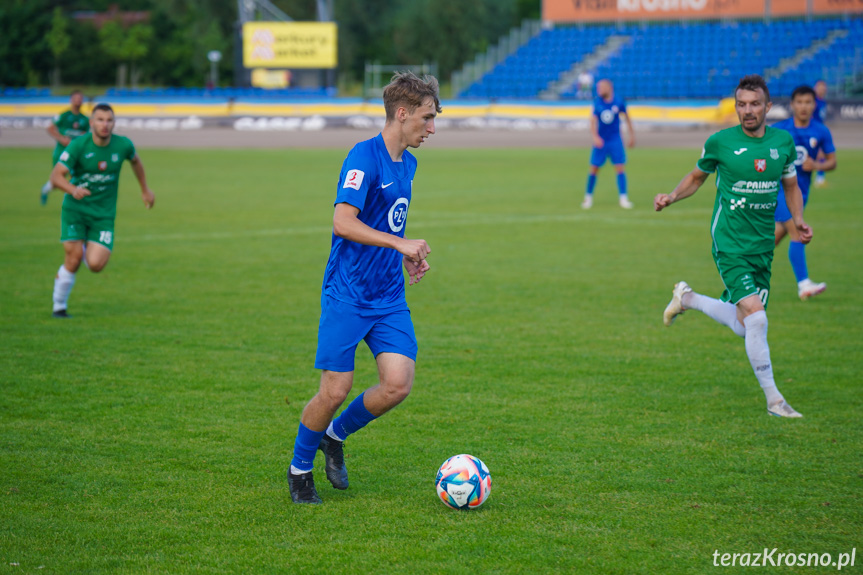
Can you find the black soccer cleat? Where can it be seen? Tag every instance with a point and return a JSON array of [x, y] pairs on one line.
[[61, 313], [303, 488], [334, 461]]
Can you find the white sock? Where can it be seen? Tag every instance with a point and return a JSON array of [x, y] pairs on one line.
[[759, 355], [62, 287], [332, 434], [720, 311], [295, 471]]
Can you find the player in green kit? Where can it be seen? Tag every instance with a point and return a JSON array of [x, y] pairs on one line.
[[64, 128], [750, 161], [94, 161]]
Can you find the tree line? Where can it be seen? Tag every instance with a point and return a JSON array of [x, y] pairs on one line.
[[51, 42]]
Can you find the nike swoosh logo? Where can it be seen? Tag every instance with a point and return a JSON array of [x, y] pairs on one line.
[[740, 151], [384, 186], [90, 155]]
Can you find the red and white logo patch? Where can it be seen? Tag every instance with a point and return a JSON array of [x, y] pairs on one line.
[[760, 165], [353, 179], [103, 166]]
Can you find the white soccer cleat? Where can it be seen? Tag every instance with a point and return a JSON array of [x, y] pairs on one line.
[[782, 409], [587, 203], [675, 306], [807, 288], [625, 203]]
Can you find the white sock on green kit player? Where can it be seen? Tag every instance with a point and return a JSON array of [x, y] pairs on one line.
[[720, 311], [759, 355], [62, 287]]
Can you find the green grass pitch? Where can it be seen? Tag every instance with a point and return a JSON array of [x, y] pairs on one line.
[[151, 433]]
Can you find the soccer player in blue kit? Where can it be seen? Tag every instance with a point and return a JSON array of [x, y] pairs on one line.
[[605, 129], [363, 294], [812, 139]]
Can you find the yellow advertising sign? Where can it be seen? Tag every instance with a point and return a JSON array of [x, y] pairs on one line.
[[262, 78], [290, 45]]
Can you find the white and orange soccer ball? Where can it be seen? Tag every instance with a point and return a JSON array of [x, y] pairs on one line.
[[463, 482]]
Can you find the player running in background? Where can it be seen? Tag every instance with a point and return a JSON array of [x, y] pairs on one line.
[[820, 116], [90, 206], [605, 129], [363, 290], [750, 160], [815, 151], [64, 128]]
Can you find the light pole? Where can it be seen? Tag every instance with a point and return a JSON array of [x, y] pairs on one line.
[[214, 56]]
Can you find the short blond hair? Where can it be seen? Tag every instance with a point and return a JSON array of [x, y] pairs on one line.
[[408, 90]]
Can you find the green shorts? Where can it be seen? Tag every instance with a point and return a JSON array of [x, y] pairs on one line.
[[75, 226], [744, 275]]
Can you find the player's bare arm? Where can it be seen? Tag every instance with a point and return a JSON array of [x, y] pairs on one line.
[[60, 138], [346, 225], [594, 131], [687, 186], [138, 168], [59, 180], [631, 142], [822, 164], [794, 200]]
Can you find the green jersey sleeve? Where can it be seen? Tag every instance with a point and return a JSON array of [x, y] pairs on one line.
[[709, 156], [72, 154]]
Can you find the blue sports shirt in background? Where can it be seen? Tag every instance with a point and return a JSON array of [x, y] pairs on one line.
[[820, 114], [370, 276], [608, 117], [808, 141]]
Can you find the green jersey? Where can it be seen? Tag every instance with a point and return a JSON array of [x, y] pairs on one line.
[[72, 125], [97, 168], [748, 172]]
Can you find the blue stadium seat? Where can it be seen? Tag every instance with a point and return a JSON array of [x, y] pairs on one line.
[[706, 59]]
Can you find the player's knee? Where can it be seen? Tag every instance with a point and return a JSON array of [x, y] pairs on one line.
[[96, 267], [72, 263], [334, 396], [396, 390], [756, 321]]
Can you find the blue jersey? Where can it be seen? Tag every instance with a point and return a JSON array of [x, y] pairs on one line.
[[820, 111], [809, 141], [370, 276], [608, 117]]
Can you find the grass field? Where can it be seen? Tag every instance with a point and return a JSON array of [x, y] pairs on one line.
[[151, 433]]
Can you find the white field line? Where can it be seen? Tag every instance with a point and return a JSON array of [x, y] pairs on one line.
[[437, 220]]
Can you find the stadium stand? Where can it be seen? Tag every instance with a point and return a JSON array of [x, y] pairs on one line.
[[26, 92], [681, 60], [220, 93]]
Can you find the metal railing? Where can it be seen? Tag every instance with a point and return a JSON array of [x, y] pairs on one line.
[[485, 61], [378, 75]]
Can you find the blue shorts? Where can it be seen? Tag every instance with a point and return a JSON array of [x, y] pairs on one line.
[[612, 149], [783, 214], [343, 326]]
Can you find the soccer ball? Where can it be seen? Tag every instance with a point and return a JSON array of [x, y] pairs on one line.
[[463, 482]]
